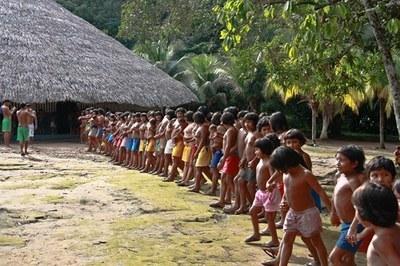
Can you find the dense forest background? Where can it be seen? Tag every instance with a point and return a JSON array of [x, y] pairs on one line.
[[317, 61]]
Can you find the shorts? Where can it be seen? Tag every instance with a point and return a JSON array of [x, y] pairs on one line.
[[128, 143], [342, 242], [92, 132], [100, 132], [178, 149], [216, 157], [123, 143], [168, 147], [110, 138], [6, 125], [142, 146], [31, 128], [135, 145], [231, 165], [22, 134], [307, 222], [151, 145], [163, 142], [270, 200], [186, 153], [249, 175], [204, 158]]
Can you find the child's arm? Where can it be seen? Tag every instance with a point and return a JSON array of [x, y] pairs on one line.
[[352, 233], [313, 183]]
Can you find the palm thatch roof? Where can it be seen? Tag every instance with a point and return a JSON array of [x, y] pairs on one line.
[[49, 54]]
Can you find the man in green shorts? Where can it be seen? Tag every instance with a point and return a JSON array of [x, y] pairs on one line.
[[23, 128], [6, 123]]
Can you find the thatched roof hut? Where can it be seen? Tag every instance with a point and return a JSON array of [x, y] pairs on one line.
[[47, 54]]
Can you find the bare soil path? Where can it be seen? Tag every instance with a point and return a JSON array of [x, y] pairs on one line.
[[63, 206]]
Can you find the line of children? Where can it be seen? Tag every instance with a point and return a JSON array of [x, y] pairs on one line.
[[241, 151]]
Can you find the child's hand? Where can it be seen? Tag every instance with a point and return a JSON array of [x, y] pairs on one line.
[[284, 206], [352, 236], [271, 186], [252, 164]]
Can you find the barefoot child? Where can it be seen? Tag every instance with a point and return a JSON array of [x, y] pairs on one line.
[[247, 181], [350, 164], [377, 209], [264, 199], [303, 216], [216, 138]]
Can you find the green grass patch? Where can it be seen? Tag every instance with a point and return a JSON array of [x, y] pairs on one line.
[[67, 183], [53, 199], [11, 241]]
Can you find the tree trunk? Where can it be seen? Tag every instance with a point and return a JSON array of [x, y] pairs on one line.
[[314, 113], [384, 48], [382, 104], [325, 124]]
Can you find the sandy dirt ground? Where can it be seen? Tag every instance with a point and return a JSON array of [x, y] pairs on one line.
[[63, 206]]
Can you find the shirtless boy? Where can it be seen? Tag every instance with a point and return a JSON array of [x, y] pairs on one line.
[[229, 163], [23, 131], [248, 163], [303, 216], [377, 208], [265, 200], [6, 123], [350, 164], [32, 123]]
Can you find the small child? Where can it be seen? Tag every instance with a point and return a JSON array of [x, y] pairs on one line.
[[377, 208], [350, 164], [264, 199], [303, 216], [263, 126], [382, 171]]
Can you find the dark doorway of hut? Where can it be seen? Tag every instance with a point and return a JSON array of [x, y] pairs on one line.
[[66, 122]]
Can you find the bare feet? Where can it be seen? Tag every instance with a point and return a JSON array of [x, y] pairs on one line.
[[218, 205], [242, 211], [271, 244], [194, 190], [252, 238], [265, 232]]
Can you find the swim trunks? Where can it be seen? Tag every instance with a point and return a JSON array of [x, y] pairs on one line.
[[249, 175], [31, 128], [216, 157], [99, 132], [307, 222], [342, 242], [128, 143], [178, 149], [204, 157], [135, 145], [231, 165], [186, 153], [22, 134], [151, 145], [168, 147], [6, 125], [270, 200], [142, 146]]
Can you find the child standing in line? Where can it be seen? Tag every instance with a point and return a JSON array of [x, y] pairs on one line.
[[350, 164], [303, 216], [216, 138], [382, 171], [377, 209], [264, 199]]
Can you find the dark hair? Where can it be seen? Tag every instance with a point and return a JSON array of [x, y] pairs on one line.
[[376, 204], [355, 154], [6, 101], [189, 116], [180, 110], [261, 115], [228, 118], [216, 118], [284, 158], [380, 162], [170, 113], [278, 122], [23, 105], [233, 110], [267, 144], [199, 118], [204, 110], [101, 111], [253, 117], [137, 115], [158, 113], [263, 122], [242, 113], [294, 133], [153, 122]]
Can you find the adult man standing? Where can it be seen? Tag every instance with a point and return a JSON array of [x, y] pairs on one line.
[[32, 123], [6, 123], [24, 117]]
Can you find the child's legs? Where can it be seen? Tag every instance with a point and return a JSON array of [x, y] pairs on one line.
[[271, 226], [254, 211], [286, 247], [340, 256], [237, 192], [185, 171], [243, 192], [223, 188], [167, 162], [311, 248], [251, 188], [230, 187], [319, 246]]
